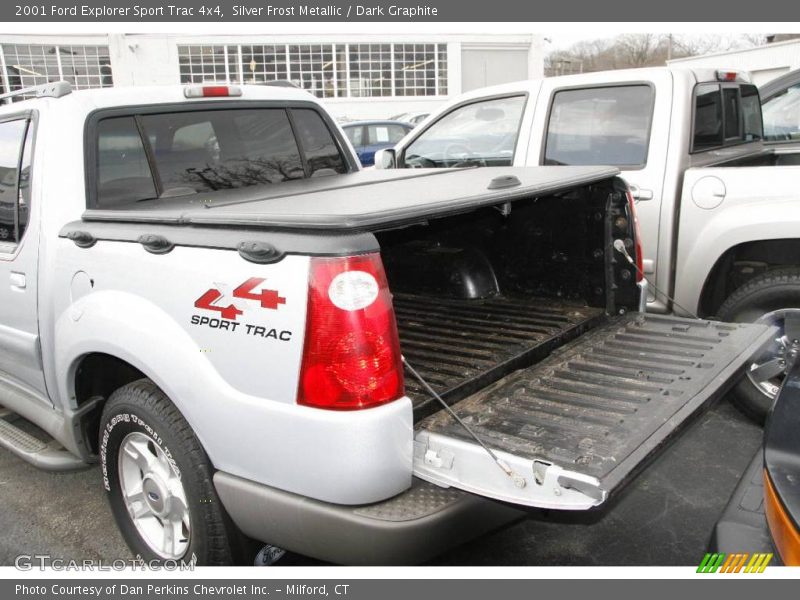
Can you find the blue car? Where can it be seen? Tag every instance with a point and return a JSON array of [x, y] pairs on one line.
[[368, 137]]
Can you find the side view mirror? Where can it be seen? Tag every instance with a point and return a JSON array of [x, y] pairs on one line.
[[386, 159]]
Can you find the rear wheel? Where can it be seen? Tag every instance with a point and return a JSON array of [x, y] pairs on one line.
[[159, 481], [771, 298]]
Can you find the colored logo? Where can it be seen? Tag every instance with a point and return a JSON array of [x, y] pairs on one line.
[[742, 562], [269, 299]]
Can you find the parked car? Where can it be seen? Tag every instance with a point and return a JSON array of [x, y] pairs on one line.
[[368, 137], [414, 118], [718, 206], [763, 514], [216, 303]]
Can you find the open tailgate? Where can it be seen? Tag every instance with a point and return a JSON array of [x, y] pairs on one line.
[[579, 424]]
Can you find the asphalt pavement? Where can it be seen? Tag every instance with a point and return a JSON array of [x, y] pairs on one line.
[[664, 517]]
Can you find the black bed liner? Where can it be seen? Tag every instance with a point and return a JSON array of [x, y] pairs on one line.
[[460, 346], [364, 200], [602, 404]]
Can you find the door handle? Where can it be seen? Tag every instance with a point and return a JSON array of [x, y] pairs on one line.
[[18, 281], [640, 193]]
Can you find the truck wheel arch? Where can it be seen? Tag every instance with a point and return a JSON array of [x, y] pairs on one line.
[[99, 339], [98, 375], [719, 284]]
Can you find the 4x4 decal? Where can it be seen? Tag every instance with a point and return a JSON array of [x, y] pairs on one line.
[[269, 299]]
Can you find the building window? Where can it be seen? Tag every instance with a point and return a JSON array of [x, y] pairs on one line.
[[200, 64], [415, 69], [27, 65], [325, 70], [370, 70], [262, 63]]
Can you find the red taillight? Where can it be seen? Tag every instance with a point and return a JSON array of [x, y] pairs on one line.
[[637, 238], [351, 358], [727, 75], [211, 91]]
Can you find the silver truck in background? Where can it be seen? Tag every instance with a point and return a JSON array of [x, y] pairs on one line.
[[717, 199]]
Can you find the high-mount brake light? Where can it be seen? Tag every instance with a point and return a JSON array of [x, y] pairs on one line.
[[351, 357], [212, 91], [727, 75], [637, 237]]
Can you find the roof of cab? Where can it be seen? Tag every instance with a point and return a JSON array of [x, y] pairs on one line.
[[87, 100], [699, 74]]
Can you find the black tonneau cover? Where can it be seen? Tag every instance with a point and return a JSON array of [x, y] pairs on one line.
[[365, 200]]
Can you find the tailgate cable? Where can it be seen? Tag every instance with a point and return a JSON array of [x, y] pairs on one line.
[[519, 481], [619, 246]]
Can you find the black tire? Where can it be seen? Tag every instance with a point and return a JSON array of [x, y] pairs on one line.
[[770, 291], [142, 407]]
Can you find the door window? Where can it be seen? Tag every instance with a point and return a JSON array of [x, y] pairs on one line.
[[14, 180], [481, 133], [600, 126]]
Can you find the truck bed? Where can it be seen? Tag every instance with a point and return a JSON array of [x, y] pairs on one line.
[[461, 345]]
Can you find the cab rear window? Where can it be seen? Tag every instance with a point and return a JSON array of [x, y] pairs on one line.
[[725, 115], [157, 156]]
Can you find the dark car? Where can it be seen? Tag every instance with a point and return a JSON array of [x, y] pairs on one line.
[[368, 137], [763, 514]]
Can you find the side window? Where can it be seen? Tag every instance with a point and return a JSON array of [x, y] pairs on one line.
[[320, 149], [355, 135], [385, 134], [481, 133], [123, 173], [12, 188], [707, 118], [782, 116], [600, 126]]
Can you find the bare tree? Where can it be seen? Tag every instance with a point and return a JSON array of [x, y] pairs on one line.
[[641, 50]]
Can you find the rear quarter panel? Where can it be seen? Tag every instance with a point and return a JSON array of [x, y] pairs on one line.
[[759, 203], [234, 380]]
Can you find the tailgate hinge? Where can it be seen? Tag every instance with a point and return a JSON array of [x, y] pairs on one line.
[[438, 459]]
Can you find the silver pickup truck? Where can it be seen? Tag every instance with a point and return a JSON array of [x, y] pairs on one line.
[[255, 339], [716, 192]]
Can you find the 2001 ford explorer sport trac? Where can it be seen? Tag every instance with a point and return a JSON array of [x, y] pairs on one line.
[[203, 293]]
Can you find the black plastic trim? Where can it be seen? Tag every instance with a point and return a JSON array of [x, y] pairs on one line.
[[742, 526], [256, 245]]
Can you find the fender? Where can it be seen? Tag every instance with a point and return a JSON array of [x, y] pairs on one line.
[[705, 235], [322, 458]]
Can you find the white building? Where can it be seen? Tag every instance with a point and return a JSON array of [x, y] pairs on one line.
[[763, 62], [359, 75]]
